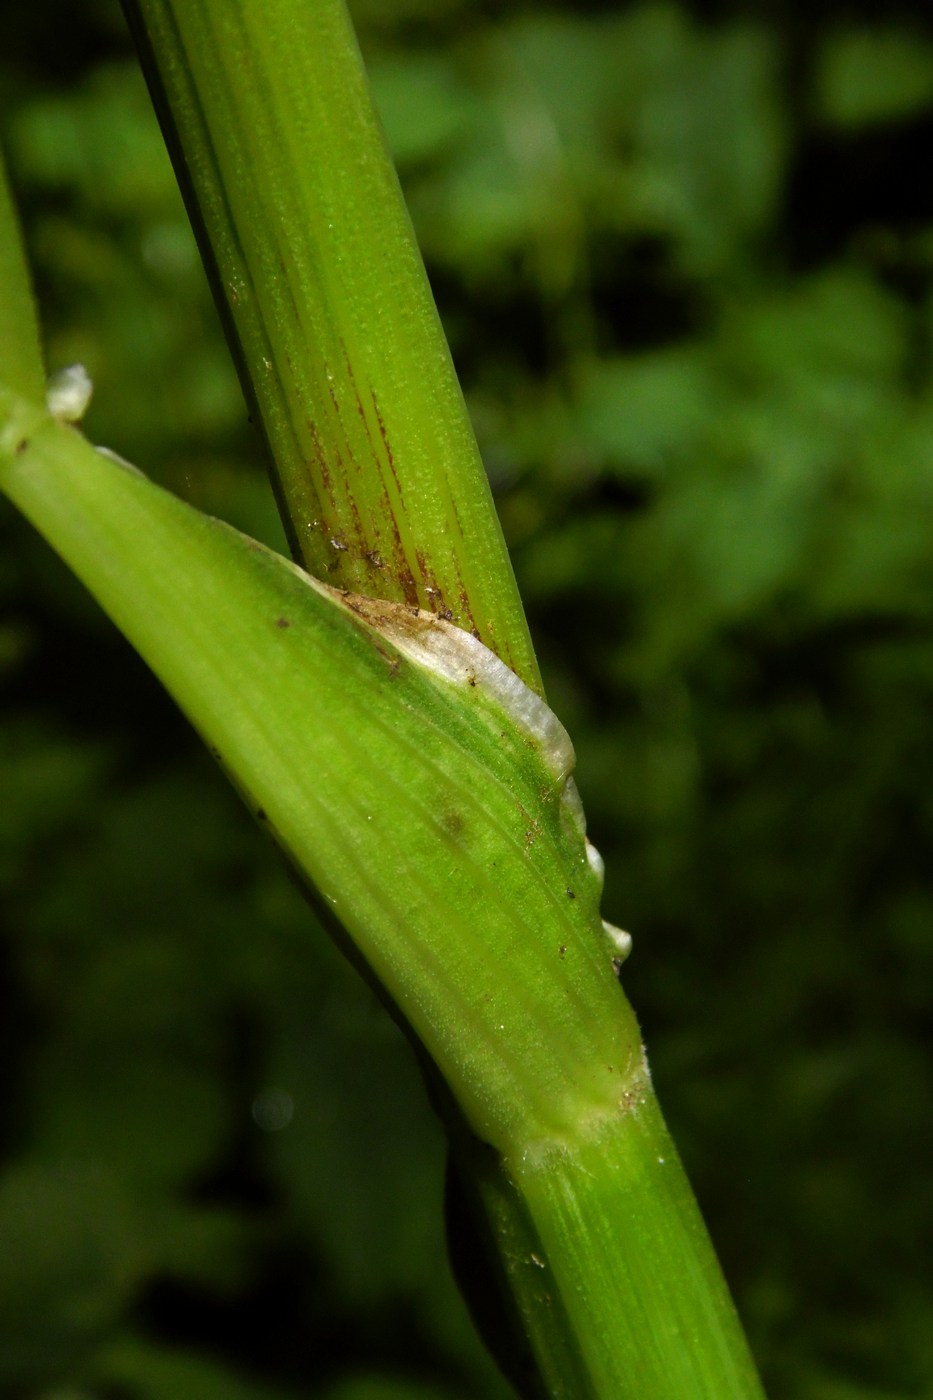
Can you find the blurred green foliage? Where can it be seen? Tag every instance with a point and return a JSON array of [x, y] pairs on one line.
[[684, 254]]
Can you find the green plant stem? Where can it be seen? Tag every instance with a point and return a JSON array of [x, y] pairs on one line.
[[443, 838], [631, 1259], [320, 283], [21, 367], [610, 1266]]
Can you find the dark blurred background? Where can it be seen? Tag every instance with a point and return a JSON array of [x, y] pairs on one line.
[[684, 254]]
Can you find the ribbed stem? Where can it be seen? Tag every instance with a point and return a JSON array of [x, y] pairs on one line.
[[626, 1250], [315, 268]]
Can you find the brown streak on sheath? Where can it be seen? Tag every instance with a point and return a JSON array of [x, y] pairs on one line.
[[344, 470], [373, 555], [351, 500], [409, 588], [385, 441], [359, 402], [321, 457], [431, 586], [369, 436], [355, 512], [464, 596], [346, 436], [467, 613], [400, 570]]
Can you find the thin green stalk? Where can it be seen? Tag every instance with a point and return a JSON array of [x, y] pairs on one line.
[[21, 367], [320, 284]]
